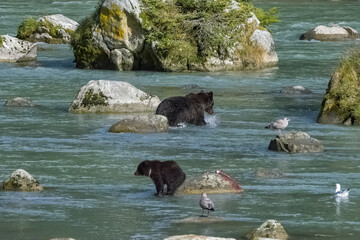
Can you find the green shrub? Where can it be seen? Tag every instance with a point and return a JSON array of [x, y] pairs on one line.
[[27, 28], [1, 40]]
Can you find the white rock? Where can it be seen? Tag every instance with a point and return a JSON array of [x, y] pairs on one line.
[[112, 97], [59, 19], [264, 39], [16, 50], [330, 33], [20, 180]]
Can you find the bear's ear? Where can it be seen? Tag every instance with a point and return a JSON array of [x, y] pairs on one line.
[[210, 94]]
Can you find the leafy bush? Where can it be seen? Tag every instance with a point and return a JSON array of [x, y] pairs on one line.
[[27, 28], [1, 40]]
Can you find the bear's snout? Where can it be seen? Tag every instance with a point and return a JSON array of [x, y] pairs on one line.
[[136, 173], [210, 111]]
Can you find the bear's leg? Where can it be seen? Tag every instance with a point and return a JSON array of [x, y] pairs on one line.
[[159, 185], [173, 186], [200, 121]]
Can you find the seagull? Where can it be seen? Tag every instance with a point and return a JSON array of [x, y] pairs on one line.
[[341, 193], [279, 124], [206, 204]]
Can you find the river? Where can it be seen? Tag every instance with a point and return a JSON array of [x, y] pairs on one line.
[[90, 190]]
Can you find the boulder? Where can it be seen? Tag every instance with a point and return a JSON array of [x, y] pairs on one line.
[[295, 90], [141, 124], [53, 29], [268, 173], [264, 39], [271, 229], [20, 180], [102, 96], [218, 182], [19, 102], [295, 142], [196, 237], [16, 50], [330, 33]]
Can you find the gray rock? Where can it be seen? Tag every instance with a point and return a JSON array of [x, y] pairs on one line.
[[196, 237], [123, 59], [16, 50], [296, 142], [20, 180], [264, 39], [190, 87], [60, 20], [268, 173], [102, 96], [19, 102], [271, 229], [330, 33], [210, 183], [294, 90], [141, 124]]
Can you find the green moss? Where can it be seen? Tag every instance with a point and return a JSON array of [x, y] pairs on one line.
[[190, 31], [343, 94], [27, 28], [1, 41], [94, 99]]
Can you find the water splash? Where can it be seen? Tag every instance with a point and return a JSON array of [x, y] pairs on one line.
[[212, 120]]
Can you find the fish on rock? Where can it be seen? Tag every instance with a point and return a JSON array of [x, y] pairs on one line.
[[341, 193], [206, 204], [279, 124]]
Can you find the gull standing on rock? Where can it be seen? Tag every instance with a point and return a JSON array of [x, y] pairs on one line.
[[341, 193], [206, 204], [279, 124]]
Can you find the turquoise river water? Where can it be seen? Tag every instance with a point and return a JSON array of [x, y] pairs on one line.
[[90, 190]]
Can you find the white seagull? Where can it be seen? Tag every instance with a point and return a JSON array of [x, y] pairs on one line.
[[279, 124], [206, 204], [341, 193]]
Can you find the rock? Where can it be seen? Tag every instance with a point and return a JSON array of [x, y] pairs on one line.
[[265, 40], [293, 90], [268, 173], [200, 219], [190, 87], [210, 183], [62, 239], [330, 33], [196, 237], [19, 102], [20, 180], [102, 96], [271, 229], [16, 50], [60, 20], [296, 142], [141, 124]]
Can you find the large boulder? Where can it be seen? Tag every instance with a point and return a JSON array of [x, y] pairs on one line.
[[53, 29], [196, 237], [102, 96], [295, 142], [16, 50], [19, 102], [141, 124], [119, 36], [271, 229], [218, 182], [20, 180], [295, 90], [330, 33]]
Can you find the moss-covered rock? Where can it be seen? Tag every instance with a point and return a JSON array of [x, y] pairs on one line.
[[20, 180], [271, 229], [341, 104], [175, 35], [141, 124], [16, 50], [53, 29]]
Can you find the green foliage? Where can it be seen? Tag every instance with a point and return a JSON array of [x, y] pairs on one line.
[[189, 31], [266, 17], [94, 99], [1, 40], [27, 27], [344, 94]]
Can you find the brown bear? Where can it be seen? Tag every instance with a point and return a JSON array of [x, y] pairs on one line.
[[168, 172], [189, 109]]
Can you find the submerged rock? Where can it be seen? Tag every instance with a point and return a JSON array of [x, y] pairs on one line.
[[296, 142], [294, 90], [271, 229], [330, 33], [19, 102], [200, 219], [20, 180], [268, 173], [141, 124], [196, 237], [102, 96], [16, 50], [210, 183]]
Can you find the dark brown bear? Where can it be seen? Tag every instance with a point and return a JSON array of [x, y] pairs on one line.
[[168, 172], [188, 109]]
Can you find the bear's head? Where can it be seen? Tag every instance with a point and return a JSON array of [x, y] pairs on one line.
[[206, 99], [142, 169]]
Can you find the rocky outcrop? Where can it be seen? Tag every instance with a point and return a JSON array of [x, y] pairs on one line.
[[210, 183], [196, 237], [104, 96], [119, 40], [16, 50], [271, 229], [141, 124], [20, 180], [295, 90], [19, 102], [53, 29], [296, 142], [330, 33]]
